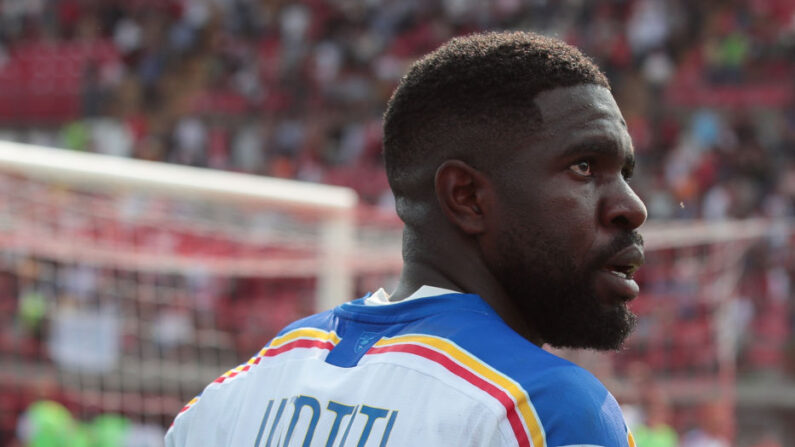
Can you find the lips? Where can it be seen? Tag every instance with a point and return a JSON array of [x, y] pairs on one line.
[[626, 262], [616, 277]]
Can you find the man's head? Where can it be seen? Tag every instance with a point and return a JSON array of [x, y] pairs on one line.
[[514, 143], [472, 100]]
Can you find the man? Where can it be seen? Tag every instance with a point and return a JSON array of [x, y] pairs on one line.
[[509, 161]]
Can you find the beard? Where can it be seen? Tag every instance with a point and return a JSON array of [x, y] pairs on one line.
[[558, 298]]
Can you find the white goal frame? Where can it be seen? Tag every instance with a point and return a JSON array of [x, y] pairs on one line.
[[334, 206]]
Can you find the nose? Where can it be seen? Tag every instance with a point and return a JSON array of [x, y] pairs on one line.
[[623, 208]]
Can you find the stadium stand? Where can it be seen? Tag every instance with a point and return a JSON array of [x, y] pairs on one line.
[[296, 90]]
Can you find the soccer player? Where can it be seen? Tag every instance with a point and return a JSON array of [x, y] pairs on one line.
[[509, 160]]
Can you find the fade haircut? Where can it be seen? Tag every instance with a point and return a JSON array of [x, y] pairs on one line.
[[472, 99]]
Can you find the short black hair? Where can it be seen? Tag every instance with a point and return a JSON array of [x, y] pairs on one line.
[[470, 98]]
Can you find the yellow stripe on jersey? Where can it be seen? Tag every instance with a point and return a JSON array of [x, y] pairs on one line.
[[309, 333], [304, 332], [519, 396]]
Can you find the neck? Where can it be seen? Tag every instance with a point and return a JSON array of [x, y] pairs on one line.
[[456, 263]]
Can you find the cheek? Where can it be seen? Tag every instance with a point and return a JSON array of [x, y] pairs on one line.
[[573, 223], [562, 213]]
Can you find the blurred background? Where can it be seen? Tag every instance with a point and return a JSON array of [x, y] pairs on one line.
[[118, 303]]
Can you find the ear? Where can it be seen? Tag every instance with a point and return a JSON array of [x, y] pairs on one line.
[[464, 195]]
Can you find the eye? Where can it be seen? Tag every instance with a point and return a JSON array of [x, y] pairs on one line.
[[582, 168]]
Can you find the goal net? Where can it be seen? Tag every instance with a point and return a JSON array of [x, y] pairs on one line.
[[129, 285]]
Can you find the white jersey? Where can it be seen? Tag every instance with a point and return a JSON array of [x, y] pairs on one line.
[[438, 371]]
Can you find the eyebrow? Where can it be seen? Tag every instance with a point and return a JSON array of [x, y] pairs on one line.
[[603, 147]]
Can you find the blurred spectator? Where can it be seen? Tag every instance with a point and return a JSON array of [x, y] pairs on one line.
[[50, 424], [46, 423], [655, 430], [85, 340], [714, 429]]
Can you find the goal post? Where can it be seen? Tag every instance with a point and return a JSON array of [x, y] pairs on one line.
[[332, 206], [127, 285]]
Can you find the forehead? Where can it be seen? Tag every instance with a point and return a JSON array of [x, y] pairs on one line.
[[574, 113]]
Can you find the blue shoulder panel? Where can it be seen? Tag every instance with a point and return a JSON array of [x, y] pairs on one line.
[[572, 405]]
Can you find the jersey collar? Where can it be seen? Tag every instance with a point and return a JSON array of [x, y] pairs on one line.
[[381, 298]]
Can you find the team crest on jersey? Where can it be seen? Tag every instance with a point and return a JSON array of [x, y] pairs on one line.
[[365, 341]]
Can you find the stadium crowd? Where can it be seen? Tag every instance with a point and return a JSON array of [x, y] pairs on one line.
[[297, 89]]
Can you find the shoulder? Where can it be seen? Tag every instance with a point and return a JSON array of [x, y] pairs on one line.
[[558, 402], [575, 408], [571, 405], [324, 321], [203, 411]]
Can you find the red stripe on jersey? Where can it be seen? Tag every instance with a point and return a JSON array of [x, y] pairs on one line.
[[303, 343], [469, 376], [300, 343], [269, 352]]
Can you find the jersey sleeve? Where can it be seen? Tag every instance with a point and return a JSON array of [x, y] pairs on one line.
[[207, 418], [175, 436], [576, 409], [193, 427]]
